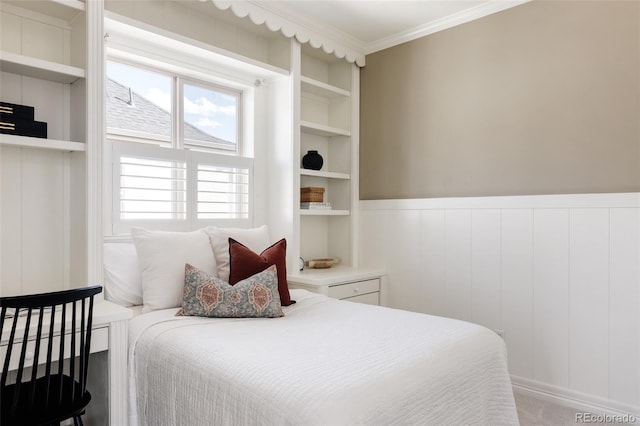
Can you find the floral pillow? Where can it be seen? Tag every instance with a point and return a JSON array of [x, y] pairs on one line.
[[208, 296]]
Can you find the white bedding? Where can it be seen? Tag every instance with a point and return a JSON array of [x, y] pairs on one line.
[[326, 362]]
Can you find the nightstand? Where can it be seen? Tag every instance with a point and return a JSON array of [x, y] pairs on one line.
[[109, 333], [362, 285]]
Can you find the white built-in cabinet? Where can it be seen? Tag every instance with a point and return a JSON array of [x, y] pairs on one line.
[[328, 124], [52, 57], [43, 196], [327, 121]]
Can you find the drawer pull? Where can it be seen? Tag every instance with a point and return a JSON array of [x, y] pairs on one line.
[[356, 290]]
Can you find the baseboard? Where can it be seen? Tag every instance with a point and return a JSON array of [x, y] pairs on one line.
[[579, 401]]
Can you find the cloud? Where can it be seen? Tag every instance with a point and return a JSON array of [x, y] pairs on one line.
[[204, 107], [207, 123], [160, 98]]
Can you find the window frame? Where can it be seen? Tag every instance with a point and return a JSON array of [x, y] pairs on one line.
[[240, 115], [118, 143], [178, 80]]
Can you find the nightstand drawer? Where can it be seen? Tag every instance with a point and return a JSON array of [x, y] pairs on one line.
[[367, 299], [354, 289], [99, 343]]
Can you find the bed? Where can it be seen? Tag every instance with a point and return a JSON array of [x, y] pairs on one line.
[[318, 361], [326, 362]]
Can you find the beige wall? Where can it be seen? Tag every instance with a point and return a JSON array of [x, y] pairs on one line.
[[543, 98]]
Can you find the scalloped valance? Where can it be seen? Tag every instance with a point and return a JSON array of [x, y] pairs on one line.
[[288, 28]]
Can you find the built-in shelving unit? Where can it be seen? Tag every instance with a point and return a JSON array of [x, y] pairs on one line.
[[328, 114], [43, 210]]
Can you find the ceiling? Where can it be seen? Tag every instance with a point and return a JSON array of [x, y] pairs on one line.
[[372, 25]]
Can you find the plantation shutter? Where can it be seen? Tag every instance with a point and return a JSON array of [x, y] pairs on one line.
[[181, 190]]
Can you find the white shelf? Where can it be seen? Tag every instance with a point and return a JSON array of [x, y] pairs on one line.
[[329, 175], [322, 130], [39, 68], [40, 143], [320, 88], [321, 212], [72, 4], [65, 10]]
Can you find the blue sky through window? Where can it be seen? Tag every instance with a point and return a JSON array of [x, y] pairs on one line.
[[210, 111]]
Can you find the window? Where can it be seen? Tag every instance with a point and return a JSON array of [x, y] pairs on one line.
[[139, 104], [175, 151], [169, 110], [209, 117]]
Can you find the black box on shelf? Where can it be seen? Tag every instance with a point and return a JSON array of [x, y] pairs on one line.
[[18, 112], [36, 129]]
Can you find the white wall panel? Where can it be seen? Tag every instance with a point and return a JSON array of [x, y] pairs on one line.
[[10, 30], [34, 244], [11, 87], [559, 274], [33, 35], [10, 221], [43, 209], [432, 259], [485, 268], [551, 296], [517, 288], [51, 103], [399, 232], [458, 263], [624, 306], [404, 235], [589, 301]]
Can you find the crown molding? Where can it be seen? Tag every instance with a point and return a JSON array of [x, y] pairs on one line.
[[453, 20], [339, 43], [291, 25]]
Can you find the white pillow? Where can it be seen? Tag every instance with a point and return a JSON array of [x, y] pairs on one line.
[[122, 284], [162, 257], [257, 239]]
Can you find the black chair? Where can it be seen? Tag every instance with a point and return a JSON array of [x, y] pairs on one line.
[[59, 394]]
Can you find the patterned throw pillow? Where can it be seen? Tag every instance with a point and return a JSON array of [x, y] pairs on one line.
[[208, 296]]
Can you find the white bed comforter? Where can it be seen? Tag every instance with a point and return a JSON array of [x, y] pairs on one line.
[[327, 362]]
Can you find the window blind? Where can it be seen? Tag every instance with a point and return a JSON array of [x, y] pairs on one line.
[[173, 189], [223, 191]]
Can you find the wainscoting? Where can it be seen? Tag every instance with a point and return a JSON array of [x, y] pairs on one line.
[[557, 275]]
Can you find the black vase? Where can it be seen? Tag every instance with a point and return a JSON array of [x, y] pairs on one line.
[[312, 160]]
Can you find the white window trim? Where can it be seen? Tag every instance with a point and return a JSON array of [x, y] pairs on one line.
[[179, 78], [133, 41]]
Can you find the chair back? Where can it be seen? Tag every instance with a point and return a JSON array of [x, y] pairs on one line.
[[45, 328]]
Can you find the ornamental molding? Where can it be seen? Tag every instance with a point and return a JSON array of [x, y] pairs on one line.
[[341, 45]]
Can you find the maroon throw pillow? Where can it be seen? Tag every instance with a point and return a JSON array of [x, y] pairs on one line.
[[243, 263]]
